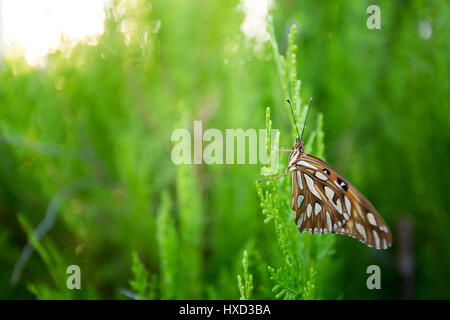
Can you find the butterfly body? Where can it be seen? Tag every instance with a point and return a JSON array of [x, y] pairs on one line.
[[324, 201]]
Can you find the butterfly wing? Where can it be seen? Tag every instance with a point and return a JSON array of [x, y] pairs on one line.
[[344, 209], [313, 211]]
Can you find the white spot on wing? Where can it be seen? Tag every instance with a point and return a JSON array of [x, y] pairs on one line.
[[338, 205], [300, 219], [306, 164], [312, 188], [377, 239], [329, 221], [299, 180], [309, 209], [329, 193], [317, 208], [361, 230], [321, 176], [300, 200], [348, 204], [371, 219]]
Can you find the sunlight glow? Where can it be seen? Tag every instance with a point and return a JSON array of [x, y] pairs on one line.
[[37, 27], [255, 24]]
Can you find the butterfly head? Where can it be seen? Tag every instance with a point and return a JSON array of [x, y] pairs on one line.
[[299, 145], [294, 156]]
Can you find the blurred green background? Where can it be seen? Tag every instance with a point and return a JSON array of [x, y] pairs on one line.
[[87, 140]]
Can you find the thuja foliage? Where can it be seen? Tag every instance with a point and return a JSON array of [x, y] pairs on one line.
[[53, 260], [141, 284], [246, 285], [141, 227], [296, 276], [168, 243]]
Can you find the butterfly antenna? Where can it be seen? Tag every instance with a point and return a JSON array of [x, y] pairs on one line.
[[293, 117], [307, 113]]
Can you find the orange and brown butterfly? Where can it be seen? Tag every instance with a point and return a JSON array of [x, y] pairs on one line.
[[324, 201]]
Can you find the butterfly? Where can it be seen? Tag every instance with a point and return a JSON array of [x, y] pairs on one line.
[[323, 201]]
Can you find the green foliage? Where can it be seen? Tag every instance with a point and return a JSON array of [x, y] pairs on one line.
[[191, 231], [107, 112], [168, 248], [292, 280], [141, 283], [246, 287], [55, 266]]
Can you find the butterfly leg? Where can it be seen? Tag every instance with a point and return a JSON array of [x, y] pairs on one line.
[[274, 177], [283, 150]]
